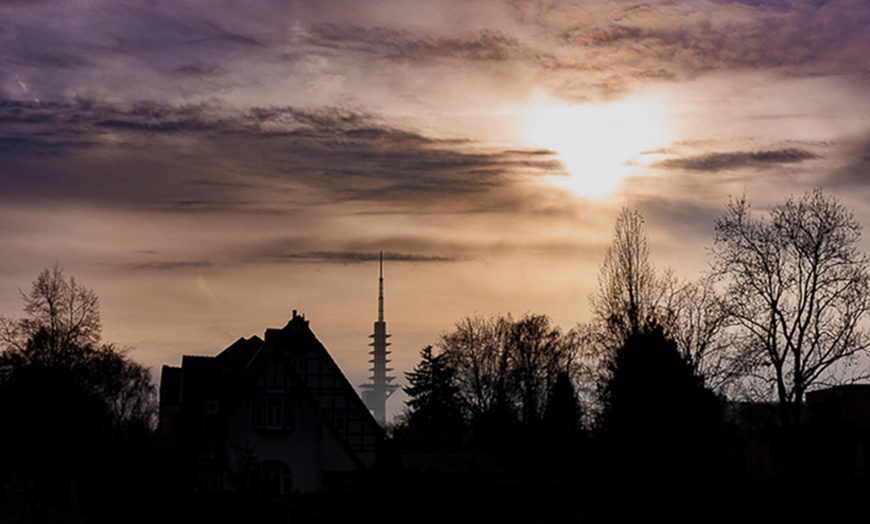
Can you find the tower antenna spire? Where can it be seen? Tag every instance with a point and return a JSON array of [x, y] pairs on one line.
[[381, 289], [380, 385]]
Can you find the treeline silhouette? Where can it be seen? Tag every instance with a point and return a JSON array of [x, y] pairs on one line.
[[504, 390], [499, 386]]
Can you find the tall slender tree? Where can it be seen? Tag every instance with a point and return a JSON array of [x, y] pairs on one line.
[[633, 297], [629, 291]]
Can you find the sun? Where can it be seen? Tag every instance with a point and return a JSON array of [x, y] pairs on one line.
[[599, 144]]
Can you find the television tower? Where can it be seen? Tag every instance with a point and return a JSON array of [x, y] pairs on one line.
[[380, 386]]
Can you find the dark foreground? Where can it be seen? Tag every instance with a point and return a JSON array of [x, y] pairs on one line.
[[436, 500]]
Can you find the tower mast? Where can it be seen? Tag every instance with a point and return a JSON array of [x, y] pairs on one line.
[[381, 287], [380, 386]]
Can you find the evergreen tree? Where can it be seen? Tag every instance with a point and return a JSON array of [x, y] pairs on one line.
[[562, 415], [561, 439], [658, 419], [434, 412]]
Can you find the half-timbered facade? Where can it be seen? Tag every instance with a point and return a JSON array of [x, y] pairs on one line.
[[273, 415]]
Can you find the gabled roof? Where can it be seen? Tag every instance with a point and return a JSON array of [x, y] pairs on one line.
[[239, 353], [297, 336]]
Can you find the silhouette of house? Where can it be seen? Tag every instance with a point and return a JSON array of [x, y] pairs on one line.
[[269, 416], [833, 440], [838, 436]]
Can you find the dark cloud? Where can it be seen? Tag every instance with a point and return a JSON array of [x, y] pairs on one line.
[[713, 162], [219, 34], [59, 60], [198, 70], [46, 144], [306, 246], [481, 45], [166, 265], [356, 257], [208, 157]]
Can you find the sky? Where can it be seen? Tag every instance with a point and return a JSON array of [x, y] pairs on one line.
[[207, 167]]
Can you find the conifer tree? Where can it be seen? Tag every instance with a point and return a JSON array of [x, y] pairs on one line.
[[658, 419], [434, 406]]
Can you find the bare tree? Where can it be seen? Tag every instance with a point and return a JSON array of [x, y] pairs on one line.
[[475, 350], [629, 291], [505, 364], [538, 353], [798, 288], [696, 319], [63, 317], [62, 330]]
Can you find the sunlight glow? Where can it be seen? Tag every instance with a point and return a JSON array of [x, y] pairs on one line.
[[599, 144]]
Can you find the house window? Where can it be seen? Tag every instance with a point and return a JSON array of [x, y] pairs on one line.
[[297, 363], [272, 478], [211, 407], [257, 409], [273, 411], [289, 413]]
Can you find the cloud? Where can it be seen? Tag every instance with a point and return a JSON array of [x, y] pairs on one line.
[[58, 60], [198, 71], [608, 47], [397, 44], [219, 34], [713, 162], [216, 158], [575, 49], [356, 257], [166, 265]]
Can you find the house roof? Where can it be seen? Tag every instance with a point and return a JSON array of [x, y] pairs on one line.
[[298, 336], [235, 357]]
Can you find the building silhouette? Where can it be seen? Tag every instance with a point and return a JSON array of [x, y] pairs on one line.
[[380, 385], [268, 416]]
